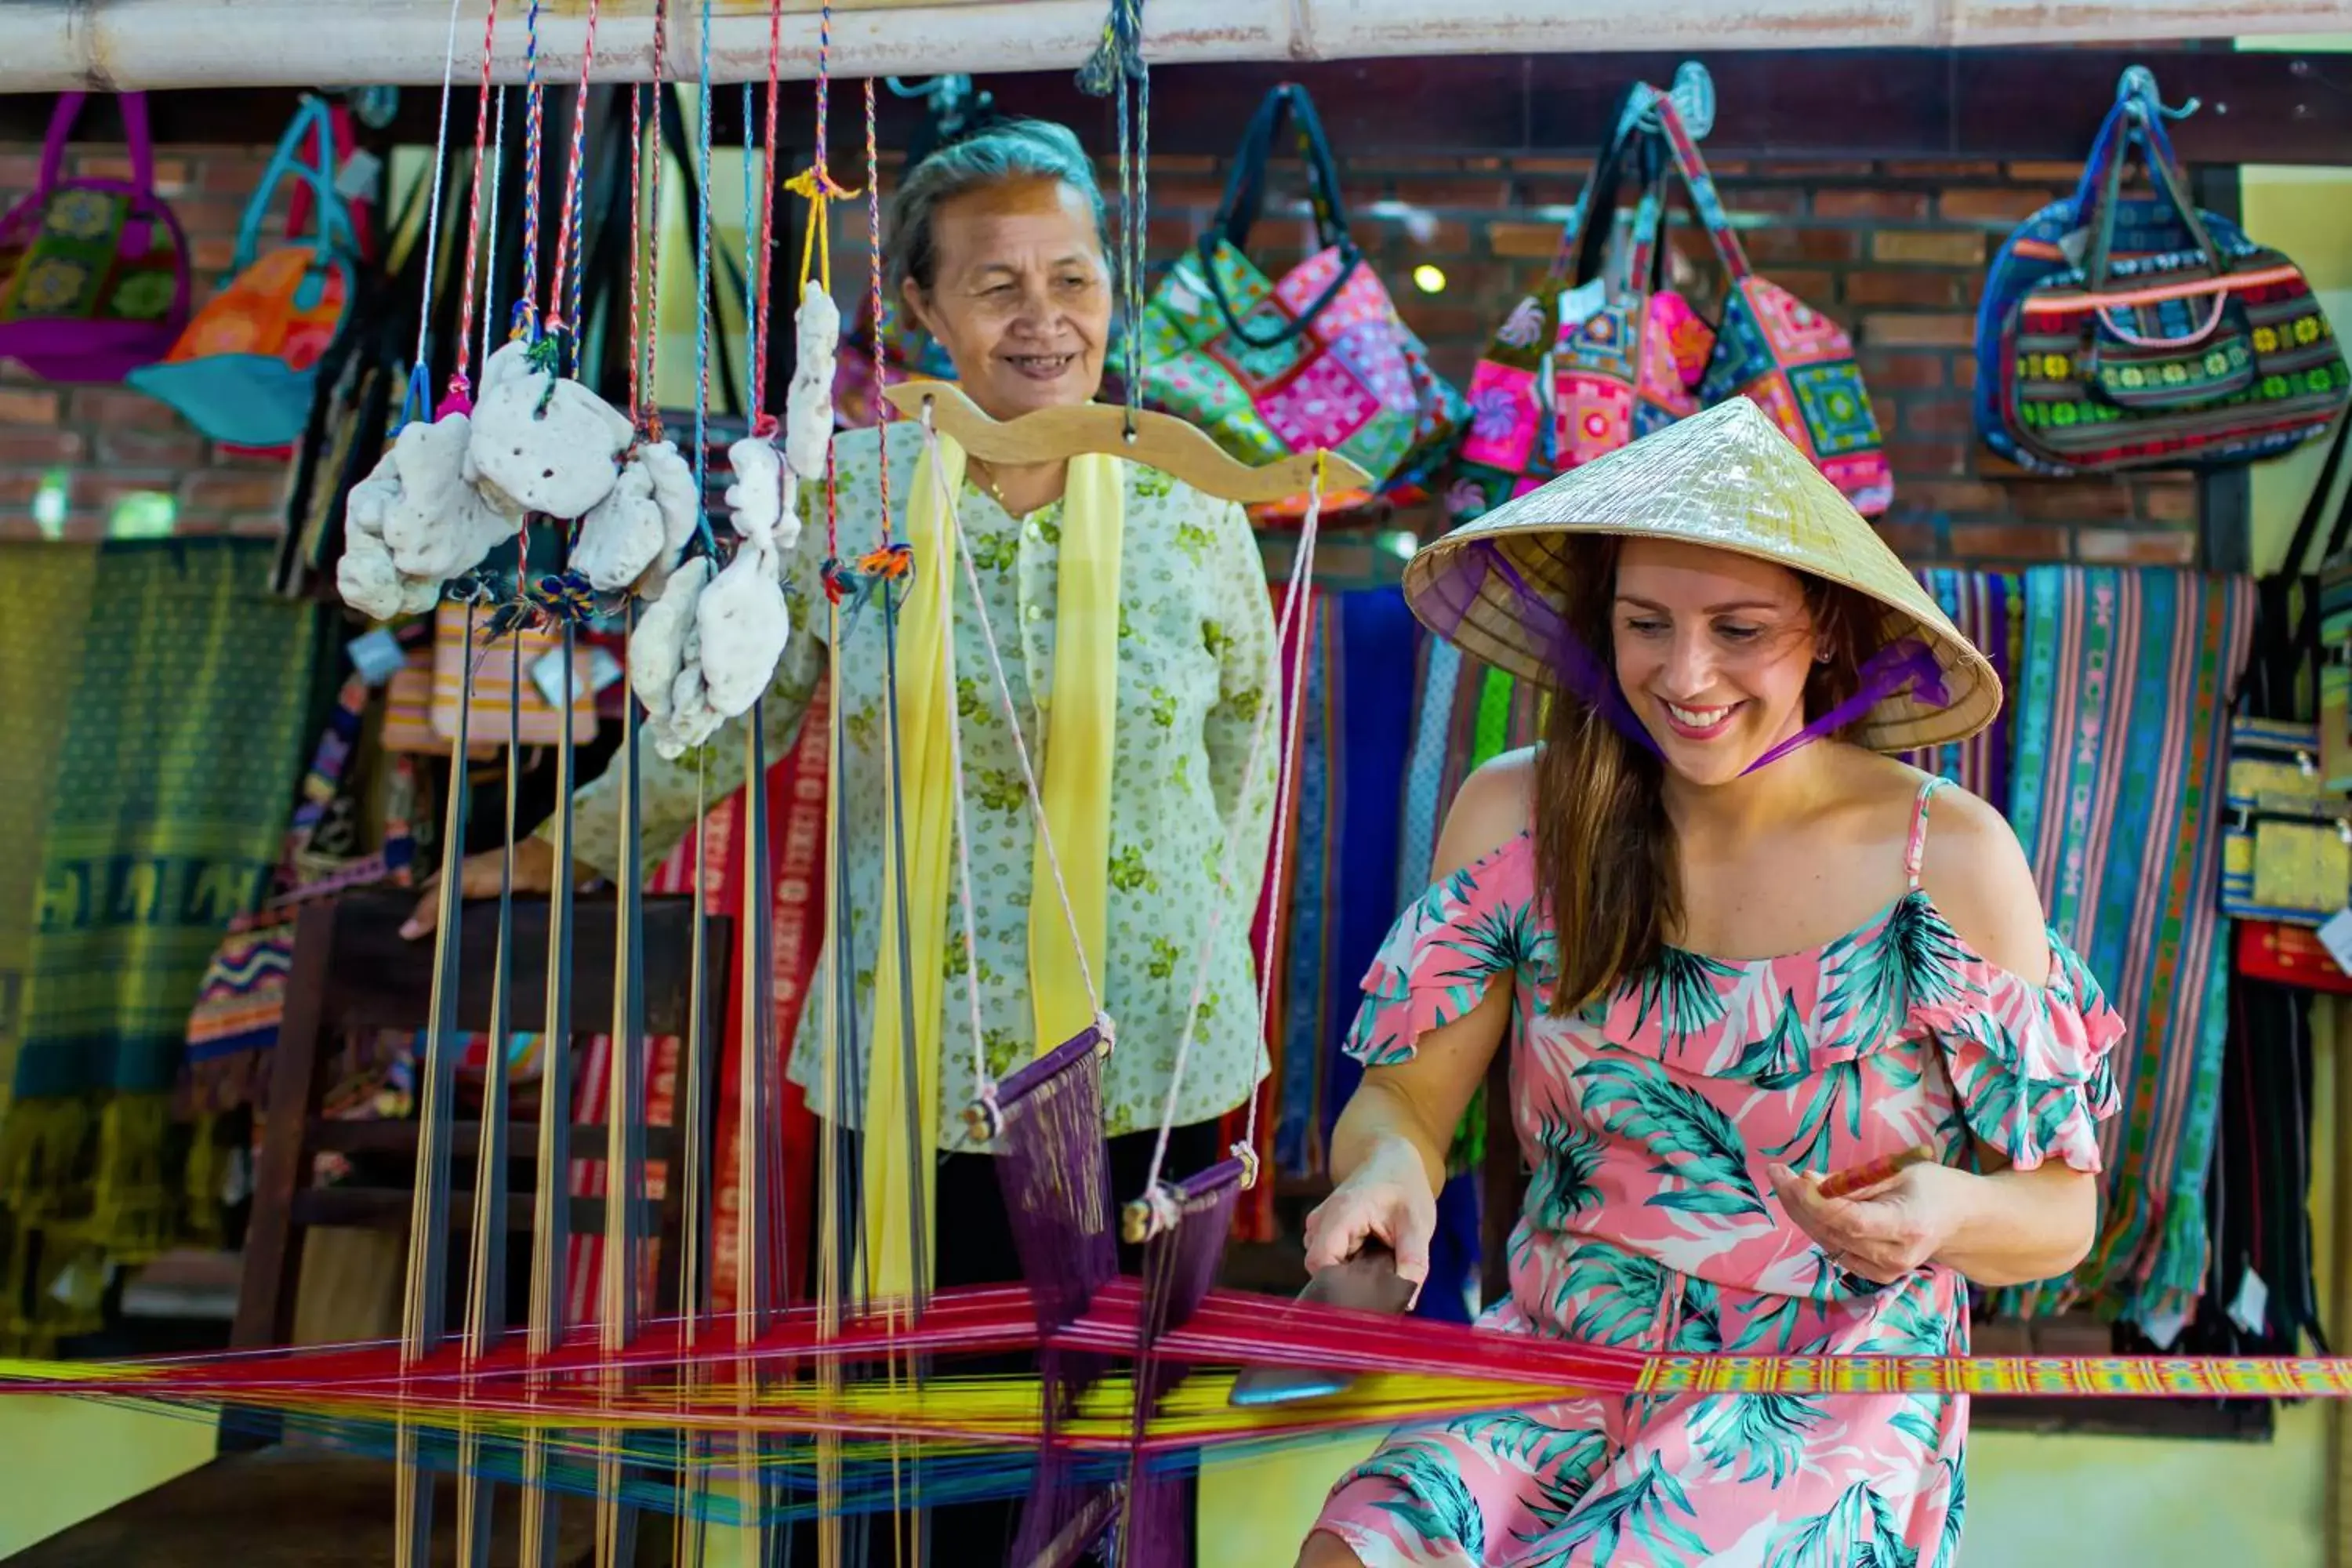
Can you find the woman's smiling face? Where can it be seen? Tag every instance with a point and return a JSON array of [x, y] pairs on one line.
[[1713, 650], [1020, 296]]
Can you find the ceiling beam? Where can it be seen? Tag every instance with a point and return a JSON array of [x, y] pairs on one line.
[[2026, 103]]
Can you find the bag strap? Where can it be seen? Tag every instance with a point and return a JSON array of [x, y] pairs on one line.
[[1705, 199], [1580, 239], [1244, 198], [133, 106], [2174, 185], [311, 123]]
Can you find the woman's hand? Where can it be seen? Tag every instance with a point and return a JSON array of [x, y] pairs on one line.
[[1884, 1231], [478, 877], [1387, 1197]]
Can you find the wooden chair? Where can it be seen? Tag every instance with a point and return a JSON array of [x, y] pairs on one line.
[[352, 970]]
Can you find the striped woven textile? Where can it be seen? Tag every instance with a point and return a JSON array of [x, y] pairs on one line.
[[1983, 605], [2120, 709]]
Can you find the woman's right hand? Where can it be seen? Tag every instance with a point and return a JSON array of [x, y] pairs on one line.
[[479, 875], [1388, 1198]]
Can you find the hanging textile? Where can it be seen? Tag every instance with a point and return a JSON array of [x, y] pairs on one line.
[[1983, 605], [40, 649], [181, 749], [2121, 704], [1308, 1015]]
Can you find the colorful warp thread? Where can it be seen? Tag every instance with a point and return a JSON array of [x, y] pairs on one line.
[[2122, 712], [164, 822]]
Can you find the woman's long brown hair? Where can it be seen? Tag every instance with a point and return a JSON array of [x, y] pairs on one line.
[[1605, 852]]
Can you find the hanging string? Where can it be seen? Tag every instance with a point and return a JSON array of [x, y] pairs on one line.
[[874, 284], [702, 302], [420, 374], [562, 308], [1117, 70], [460, 391], [490, 246], [760, 417], [1294, 597], [636, 245], [535, 97], [651, 346]]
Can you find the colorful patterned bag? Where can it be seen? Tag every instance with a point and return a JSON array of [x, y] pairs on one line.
[[1320, 360], [245, 370], [2214, 352], [1796, 364], [1593, 357], [93, 273]]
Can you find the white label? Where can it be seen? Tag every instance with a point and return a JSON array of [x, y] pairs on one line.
[[2163, 1328], [2074, 243], [2251, 1311], [1576, 306], [2336, 936], [376, 656], [356, 180]]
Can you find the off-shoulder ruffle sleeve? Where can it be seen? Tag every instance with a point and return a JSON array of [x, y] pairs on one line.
[[2033, 1066], [1438, 959]]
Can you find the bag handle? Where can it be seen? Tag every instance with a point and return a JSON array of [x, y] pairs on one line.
[[1580, 239], [2174, 186], [134, 107], [1706, 200], [312, 123], [1244, 198]]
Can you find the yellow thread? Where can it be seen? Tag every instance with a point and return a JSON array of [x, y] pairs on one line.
[[820, 190]]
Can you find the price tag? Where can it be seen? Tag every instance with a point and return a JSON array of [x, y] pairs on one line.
[[2251, 1310], [2336, 936], [356, 180], [376, 656], [1577, 306]]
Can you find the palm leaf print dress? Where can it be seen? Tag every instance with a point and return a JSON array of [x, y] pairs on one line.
[[1647, 1121]]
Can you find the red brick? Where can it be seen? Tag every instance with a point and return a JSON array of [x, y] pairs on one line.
[[1437, 322], [1732, 168], [20, 405], [171, 173], [1816, 286], [2136, 547], [100, 488], [102, 407], [1998, 205], [1964, 372], [1535, 241], [1776, 245], [1809, 169], [1889, 329], [233, 491], [2168, 501], [1915, 542], [1450, 237], [1901, 372], [2084, 498], [132, 446], [1951, 496], [1945, 247], [211, 253], [2046, 174], [232, 172], [1775, 201], [1942, 169], [1921, 287], [1937, 416], [1974, 541], [1170, 163], [60, 445], [1927, 458], [18, 487], [19, 171], [1579, 167], [1869, 204]]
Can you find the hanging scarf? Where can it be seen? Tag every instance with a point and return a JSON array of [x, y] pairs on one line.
[[902, 1085]]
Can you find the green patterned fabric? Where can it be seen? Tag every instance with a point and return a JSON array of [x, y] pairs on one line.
[[169, 800]]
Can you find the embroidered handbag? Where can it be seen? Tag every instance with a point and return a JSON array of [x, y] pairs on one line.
[[1320, 360], [1794, 363], [1593, 357], [93, 273], [2286, 851], [245, 370], [2216, 352]]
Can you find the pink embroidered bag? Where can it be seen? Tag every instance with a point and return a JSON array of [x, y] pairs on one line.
[[93, 272]]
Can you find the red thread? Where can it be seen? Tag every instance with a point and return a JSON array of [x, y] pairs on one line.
[[767, 215], [458, 386], [874, 272], [564, 236]]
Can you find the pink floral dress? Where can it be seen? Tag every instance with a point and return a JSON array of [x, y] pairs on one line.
[[1647, 1122]]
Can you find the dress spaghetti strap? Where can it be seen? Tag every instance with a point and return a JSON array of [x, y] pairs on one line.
[[1917, 849]]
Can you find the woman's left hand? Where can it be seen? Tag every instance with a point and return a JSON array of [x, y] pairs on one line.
[[1884, 1231]]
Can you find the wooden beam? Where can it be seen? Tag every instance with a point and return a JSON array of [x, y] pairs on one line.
[[1796, 104]]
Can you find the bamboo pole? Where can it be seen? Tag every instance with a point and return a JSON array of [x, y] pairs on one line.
[[122, 45]]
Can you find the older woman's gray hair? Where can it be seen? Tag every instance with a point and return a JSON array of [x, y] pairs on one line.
[[1015, 150]]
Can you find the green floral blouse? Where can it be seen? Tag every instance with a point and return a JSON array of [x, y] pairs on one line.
[[1197, 658]]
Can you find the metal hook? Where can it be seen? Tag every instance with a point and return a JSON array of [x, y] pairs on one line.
[[1693, 95], [2138, 88]]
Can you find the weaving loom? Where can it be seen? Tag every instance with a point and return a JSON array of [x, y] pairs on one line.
[[755, 1412]]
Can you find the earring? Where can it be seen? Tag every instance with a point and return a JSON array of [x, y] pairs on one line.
[[1823, 656]]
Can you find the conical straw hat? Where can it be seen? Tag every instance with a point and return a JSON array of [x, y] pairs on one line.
[[1726, 477]]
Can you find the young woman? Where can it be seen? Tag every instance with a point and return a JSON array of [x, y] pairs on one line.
[[1735, 948]]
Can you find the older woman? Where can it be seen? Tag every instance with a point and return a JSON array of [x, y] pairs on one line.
[[996, 249], [1733, 948]]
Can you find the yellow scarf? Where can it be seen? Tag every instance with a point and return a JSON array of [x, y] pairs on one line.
[[1078, 750]]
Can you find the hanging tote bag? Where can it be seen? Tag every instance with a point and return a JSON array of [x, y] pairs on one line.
[[1319, 361], [93, 273], [1771, 347], [245, 371], [2215, 353], [1594, 356]]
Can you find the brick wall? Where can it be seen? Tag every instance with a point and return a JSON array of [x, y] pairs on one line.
[[1894, 251], [81, 460]]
